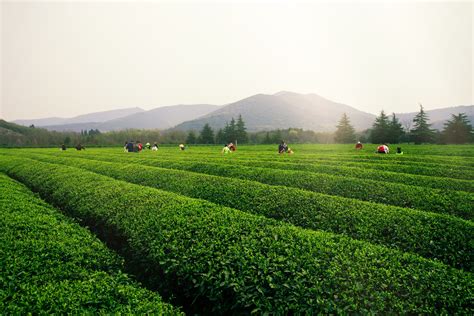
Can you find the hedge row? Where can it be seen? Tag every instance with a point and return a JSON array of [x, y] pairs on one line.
[[51, 265], [223, 260], [455, 167], [451, 202], [431, 235], [452, 172], [443, 171], [340, 170], [357, 172], [452, 162]]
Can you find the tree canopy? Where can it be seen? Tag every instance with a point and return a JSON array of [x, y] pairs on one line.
[[380, 129], [396, 130], [458, 130], [422, 133], [191, 138], [207, 135], [345, 132]]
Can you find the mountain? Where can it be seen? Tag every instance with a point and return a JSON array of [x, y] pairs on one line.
[[12, 134], [439, 116], [158, 118], [41, 122], [75, 127], [283, 110], [85, 118]]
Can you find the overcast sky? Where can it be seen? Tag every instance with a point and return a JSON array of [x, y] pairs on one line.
[[66, 59]]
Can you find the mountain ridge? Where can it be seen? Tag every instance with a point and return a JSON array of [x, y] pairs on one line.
[[281, 110], [94, 117]]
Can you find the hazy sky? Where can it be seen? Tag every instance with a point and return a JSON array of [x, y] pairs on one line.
[[70, 58]]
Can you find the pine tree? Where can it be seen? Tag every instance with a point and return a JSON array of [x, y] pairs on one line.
[[191, 139], [380, 129], [67, 140], [227, 132], [230, 131], [421, 133], [220, 137], [396, 130], [207, 135], [267, 139], [277, 137], [458, 130], [345, 133], [241, 131]]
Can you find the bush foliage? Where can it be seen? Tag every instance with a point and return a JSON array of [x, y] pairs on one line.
[[226, 261]]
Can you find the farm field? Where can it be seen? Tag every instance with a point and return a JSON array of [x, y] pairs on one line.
[[325, 230]]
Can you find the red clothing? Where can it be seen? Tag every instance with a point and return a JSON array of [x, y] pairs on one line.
[[358, 146], [382, 149]]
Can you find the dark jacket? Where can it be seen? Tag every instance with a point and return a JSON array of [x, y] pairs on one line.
[[282, 148]]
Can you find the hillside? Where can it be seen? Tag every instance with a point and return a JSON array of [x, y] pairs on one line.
[[308, 111], [260, 112], [283, 110], [85, 118], [12, 134], [158, 118]]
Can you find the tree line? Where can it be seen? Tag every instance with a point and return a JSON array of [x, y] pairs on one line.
[[232, 132], [236, 132], [388, 129]]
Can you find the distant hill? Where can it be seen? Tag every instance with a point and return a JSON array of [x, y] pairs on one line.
[[12, 134], [260, 112], [159, 118], [95, 117], [283, 110], [76, 127], [439, 116]]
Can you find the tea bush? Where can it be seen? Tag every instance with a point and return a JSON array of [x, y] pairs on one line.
[[457, 203], [431, 235], [51, 265], [226, 261]]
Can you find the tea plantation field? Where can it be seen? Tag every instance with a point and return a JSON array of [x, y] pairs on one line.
[[325, 230]]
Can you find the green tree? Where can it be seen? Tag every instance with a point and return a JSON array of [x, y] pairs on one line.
[[267, 139], [207, 135], [230, 131], [396, 130], [241, 131], [277, 137], [380, 129], [191, 138], [67, 140], [458, 130], [421, 133], [220, 137], [345, 133]]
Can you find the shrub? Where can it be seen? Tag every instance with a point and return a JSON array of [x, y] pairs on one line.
[[431, 235], [451, 202], [227, 261], [51, 265]]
